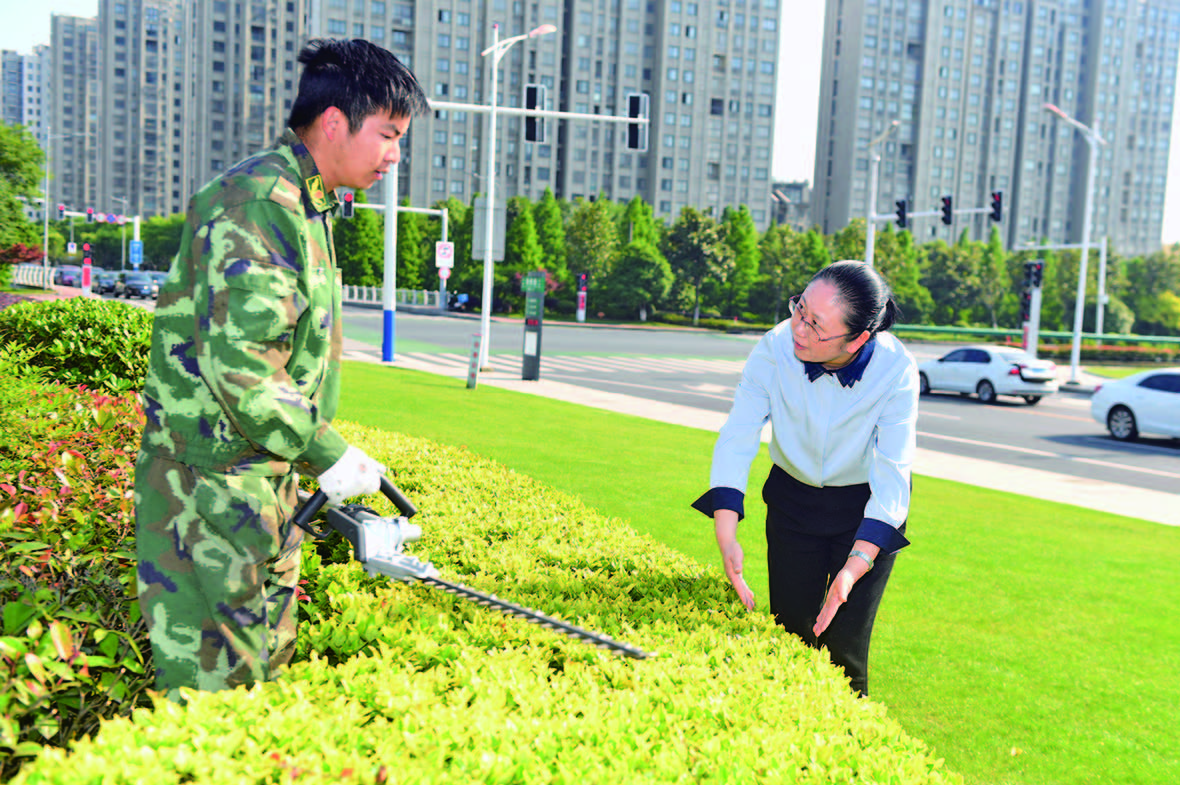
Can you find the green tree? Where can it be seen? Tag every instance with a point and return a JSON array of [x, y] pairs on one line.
[[522, 248], [592, 240], [551, 235], [638, 224], [360, 246], [21, 172], [742, 238], [696, 250], [849, 242], [896, 259], [411, 255], [993, 276], [813, 256], [161, 239], [777, 265], [1151, 279], [639, 278], [951, 274]]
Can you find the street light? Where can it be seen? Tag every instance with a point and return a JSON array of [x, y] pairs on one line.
[[497, 51], [1093, 140], [874, 165], [49, 137], [123, 228]]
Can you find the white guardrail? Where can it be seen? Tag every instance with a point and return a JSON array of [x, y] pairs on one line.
[[36, 276], [33, 275], [372, 295]]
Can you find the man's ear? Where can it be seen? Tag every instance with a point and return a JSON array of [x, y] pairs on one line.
[[333, 123]]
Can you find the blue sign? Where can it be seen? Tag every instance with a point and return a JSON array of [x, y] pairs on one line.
[[136, 253]]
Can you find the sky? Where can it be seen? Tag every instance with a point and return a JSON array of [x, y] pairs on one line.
[[800, 47]]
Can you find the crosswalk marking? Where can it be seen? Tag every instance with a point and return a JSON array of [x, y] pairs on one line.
[[570, 364]]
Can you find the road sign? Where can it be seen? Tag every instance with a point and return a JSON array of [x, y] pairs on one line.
[[444, 273], [136, 253], [444, 254], [71, 248]]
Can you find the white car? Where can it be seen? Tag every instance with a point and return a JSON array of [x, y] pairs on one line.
[[1147, 402], [989, 371]]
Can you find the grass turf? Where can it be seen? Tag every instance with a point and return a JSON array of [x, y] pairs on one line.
[[1026, 641]]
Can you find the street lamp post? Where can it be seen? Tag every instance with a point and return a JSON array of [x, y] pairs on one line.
[[874, 165], [123, 230], [1093, 140], [497, 51], [49, 137]]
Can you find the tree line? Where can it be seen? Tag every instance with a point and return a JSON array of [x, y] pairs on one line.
[[700, 266]]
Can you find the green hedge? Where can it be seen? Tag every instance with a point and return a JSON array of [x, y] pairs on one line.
[[405, 683], [103, 344]]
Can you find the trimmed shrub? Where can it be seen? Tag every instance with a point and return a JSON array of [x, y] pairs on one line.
[[399, 682], [72, 646], [103, 344]]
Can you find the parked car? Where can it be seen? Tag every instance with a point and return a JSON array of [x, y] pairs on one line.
[[67, 275], [136, 284], [159, 276], [104, 282], [990, 371], [1146, 402]]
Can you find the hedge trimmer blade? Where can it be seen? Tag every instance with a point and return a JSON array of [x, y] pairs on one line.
[[536, 617], [378, 544]]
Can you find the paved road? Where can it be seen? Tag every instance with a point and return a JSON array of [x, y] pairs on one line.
[[700, 370]]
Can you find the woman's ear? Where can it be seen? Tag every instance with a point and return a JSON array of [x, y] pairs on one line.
[[859, 341]]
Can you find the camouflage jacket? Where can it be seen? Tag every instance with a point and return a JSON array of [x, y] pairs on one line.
[[244, 375]]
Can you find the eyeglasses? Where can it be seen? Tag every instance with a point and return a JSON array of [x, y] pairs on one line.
[[795, 305]]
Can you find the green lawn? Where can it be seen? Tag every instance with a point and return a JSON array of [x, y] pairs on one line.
[[1026, 641]]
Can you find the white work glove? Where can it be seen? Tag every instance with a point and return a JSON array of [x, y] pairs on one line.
[[354, 474]]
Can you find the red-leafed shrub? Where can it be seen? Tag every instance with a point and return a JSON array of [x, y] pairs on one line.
[[73, 649]]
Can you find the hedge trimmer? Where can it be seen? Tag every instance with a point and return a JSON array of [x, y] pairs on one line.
[[378, 543]]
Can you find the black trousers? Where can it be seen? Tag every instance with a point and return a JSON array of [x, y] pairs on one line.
[[809, 532]]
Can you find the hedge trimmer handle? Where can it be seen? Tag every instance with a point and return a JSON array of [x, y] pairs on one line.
[[315, 503]]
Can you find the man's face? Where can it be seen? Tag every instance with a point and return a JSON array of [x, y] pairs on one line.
[[364, 157]]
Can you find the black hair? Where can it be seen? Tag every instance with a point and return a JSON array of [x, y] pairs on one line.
[[357, 77], [868, 301]]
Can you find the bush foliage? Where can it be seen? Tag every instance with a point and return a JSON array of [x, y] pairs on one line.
[[72, 648], [397, 682], [102, 344]]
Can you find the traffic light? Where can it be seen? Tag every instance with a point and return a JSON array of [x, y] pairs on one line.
[[534, 127], [1026, 305], [85, 253], [901, 210], [347, 208], [89, 215], [583, 281], [637, 104], [997, 206], [948, 210], [61, 212], [1038, 273], [1028, 274]]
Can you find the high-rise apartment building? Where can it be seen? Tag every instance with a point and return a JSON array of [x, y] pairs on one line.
[[967, 81], [176, 91], [709, 70], [138, 90], [71, 105], [237, 76]]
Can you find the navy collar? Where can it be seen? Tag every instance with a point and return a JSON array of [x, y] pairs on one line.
[[848, 375]]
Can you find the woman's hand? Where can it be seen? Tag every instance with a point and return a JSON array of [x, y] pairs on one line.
[[853, 570], [837, 595], [732, 557]]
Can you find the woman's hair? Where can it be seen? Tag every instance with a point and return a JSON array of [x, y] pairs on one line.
[[867, 300], [357, 77]]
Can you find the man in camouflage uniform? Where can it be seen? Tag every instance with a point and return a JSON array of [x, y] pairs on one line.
[[244, 378]]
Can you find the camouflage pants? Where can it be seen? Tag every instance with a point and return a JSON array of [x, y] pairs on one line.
[[218, 568]]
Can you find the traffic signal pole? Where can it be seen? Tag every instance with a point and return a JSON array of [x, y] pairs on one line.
[[491, 109]]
